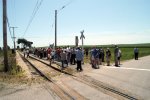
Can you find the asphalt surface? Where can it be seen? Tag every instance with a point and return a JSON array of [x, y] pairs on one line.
[[132, 76]]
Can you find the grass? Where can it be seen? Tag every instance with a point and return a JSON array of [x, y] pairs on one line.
[[1, 53], [1, 60], [1, 67], [127, 53]]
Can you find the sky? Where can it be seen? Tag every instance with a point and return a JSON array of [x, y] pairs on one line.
[[103, 21]]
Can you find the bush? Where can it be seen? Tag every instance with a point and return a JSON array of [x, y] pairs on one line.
[[14, 69]]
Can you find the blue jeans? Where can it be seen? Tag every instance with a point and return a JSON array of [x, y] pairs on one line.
[[64, 62]]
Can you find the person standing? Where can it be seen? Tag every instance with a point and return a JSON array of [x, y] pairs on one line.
[[24, 52], [108, 56], [52, 55], [119, 56], [116, 56], [103, 55], [48, 53], [28, 53], [79, 58], [100, 56], [41, 53], [95, 58], [86, 53], [136, 53], [73, 55], [63, 58], [68, 54]]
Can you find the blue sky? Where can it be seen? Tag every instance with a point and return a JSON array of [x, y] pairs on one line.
[[104, 21]]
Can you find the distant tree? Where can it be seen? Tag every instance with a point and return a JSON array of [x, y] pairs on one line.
[[8, 47], [29, 44], [0, 48], [18, 47], [25, 43], [22, 41]]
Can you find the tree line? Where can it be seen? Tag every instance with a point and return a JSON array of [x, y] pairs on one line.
[[24, 42]]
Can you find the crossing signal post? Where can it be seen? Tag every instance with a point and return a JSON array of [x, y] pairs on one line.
[[82, 37]]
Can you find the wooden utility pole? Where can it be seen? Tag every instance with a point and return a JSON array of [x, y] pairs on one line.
[[55, 29], [14, 38], [5, 35]]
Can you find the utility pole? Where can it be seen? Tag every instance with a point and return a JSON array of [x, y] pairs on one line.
[[14, 38], [55, 29], [5, 35]]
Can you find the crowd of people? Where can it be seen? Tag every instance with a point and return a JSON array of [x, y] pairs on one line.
[[98, 55], [75, 56], [64, 55]]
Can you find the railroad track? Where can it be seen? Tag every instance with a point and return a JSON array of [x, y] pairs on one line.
[[62, 91], [105, 88]]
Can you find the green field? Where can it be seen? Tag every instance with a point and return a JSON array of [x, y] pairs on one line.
[[127, 53], [144, 45], [126, 49]]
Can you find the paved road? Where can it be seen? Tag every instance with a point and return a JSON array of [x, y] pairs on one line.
[[132, 76]]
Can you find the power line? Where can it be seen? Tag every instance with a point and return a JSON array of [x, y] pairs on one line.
[[9, 29], [14, 38], [51, 27], [67, 4], [56, 13], [35, 10], [14, 11], [33, 15], [61, 9]]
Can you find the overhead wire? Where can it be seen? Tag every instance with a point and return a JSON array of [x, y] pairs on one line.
[[9, 29], [66, 5], [35, 10], [32, 16], [52, 26], [60, 10]]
